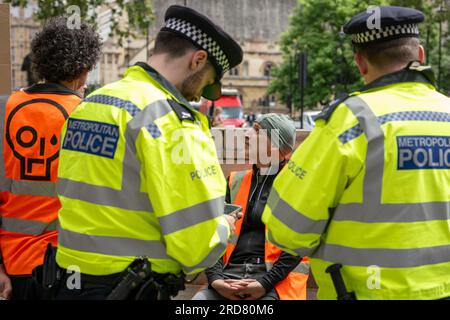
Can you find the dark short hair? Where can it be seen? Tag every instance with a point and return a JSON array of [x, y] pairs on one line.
[[387, 53], [172, 44], [59, 53]]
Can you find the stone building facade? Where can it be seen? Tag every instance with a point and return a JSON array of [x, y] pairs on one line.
[[256, 24]]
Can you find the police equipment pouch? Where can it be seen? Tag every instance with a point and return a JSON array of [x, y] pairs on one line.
[[138, 282], [134, 276], [161, 287], [48, 275]]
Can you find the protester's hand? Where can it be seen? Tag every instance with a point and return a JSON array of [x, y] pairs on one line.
[[5, 284], [239, 284], [232, 218], [253, 290], [226, 289]]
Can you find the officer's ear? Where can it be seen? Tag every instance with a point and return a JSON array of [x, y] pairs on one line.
[[361, 62], [421, 54], [199, 58]]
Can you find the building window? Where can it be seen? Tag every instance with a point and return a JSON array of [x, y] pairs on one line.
[[268, 69], [245, 67], [234, 72]]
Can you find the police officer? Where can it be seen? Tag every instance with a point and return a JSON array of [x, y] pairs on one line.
[[139, 175], [374, 193]]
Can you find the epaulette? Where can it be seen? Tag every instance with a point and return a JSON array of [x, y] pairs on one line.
[[329, 109], [181, 111], [427, 71]]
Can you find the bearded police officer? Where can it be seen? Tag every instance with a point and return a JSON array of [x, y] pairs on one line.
[[139, 175], [375, 194]]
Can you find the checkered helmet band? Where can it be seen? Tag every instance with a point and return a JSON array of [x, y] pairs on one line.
[[201, 38], [385, 33]]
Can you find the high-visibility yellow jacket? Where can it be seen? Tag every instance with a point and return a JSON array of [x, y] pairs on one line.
[[370, 189], [139, 177]]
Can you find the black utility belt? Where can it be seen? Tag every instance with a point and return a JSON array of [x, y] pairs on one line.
[[110, 279]]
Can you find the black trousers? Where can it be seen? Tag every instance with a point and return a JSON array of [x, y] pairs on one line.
[[24, 288], [92, 288]]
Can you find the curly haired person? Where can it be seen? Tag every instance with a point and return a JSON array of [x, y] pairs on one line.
[[30, 128]]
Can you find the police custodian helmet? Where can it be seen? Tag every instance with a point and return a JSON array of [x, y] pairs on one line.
[[378, 24], [223, 52]]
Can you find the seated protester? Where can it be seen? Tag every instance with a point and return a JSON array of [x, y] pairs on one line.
[[252, 268], [30, 125]]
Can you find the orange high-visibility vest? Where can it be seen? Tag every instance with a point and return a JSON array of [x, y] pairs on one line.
[[293, 287], [30, 127]]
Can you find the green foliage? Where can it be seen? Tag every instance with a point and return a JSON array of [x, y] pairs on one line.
[[315, 27], [139, 12]]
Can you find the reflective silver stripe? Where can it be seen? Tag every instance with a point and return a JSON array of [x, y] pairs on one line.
[[233, 239], [292, 218], [374, 170], [302, 268], [215, 253], [148, 116], [299, 251], [373, 178], [31, 188], [384, 258], [30, 227], [236, 184], [5, 183], [393, 212], [114, 246], [34, 188], [123, 199], [131, 178], [188, 217], [131, 174]]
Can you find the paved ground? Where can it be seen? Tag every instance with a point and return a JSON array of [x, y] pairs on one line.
[[191, 289]]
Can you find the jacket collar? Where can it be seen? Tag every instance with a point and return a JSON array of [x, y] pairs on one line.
[[414, 72], [268, 171], [51, 88], [163, 82]]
